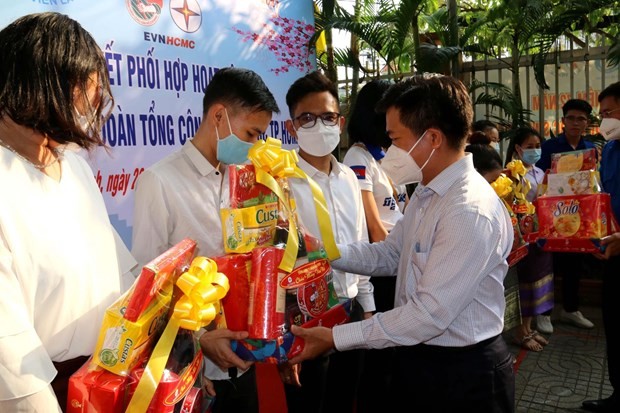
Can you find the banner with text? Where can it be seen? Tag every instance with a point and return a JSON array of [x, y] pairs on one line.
[[161, 55]]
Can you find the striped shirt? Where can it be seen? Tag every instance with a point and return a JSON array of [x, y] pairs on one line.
[[449, 253]]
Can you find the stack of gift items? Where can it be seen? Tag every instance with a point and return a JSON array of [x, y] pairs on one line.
[[512, 188], [147, 358], [573, 213], [280, 275]]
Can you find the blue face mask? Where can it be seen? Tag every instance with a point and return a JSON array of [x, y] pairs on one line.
[[531, 156], [231, 150]]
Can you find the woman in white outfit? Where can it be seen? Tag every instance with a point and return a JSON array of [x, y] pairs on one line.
[[60, 259]]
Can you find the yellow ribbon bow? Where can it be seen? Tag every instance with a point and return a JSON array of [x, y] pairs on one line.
[[502, 186], [203, 288], [271, 161], [521, 189]]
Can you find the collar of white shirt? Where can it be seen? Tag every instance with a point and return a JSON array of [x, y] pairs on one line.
[[197, 159], [312, 171], [446, 178]]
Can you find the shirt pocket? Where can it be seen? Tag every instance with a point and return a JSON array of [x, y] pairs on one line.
[[417, 264]]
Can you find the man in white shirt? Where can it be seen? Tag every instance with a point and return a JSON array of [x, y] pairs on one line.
[[180, 196], [449, 252], [316, 123]]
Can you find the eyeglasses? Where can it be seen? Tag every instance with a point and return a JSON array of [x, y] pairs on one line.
[[308, 120], [576, 119], [605, 113]]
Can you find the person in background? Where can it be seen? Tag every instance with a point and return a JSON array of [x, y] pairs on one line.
[[180, 196], [609, 110], [486, 160], [535, 270], [382, 209], [61, 261], [489, 129], [327, 384], [569, 267], [448, 315]]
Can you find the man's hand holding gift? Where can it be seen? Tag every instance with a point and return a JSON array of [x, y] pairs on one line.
[[216, 346], [317, 341]]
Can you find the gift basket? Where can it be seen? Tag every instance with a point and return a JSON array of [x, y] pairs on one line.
[[280, 275], [573, 212], [512, 188], [147, 358]]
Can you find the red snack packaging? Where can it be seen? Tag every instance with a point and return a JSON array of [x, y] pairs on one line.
[[95, 390], [244, 190], [168, 383], [193, 401], [574, 223], [237, 302], [156, 274], [181, 374], [334, 316], [573, 161], [267, 297]]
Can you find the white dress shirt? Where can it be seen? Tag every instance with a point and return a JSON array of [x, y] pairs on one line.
[[449, 253], [61, 265], [535, 177], [372, 178], [178, 197], [346, 210]]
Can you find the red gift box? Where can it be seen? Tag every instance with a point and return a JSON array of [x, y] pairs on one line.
[[160, 271], [95, 390], [574, 223]]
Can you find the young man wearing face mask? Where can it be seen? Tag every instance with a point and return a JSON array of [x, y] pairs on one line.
[[180, 196], [569, 267], [328, 383], [609, 110], [449, 253]]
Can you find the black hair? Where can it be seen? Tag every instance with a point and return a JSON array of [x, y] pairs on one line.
[[577, 104], [519, 136], [241, 88], [314, 82], [436, 101], [486, 159], [611, 90], [45, 59], [479, 137], [366, 125], [483, 125]]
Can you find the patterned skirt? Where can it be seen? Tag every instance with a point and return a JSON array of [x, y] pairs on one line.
[[535, 272]]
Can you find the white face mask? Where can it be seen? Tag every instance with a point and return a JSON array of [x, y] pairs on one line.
[[400, 165], [610, 129], [495, 145], [83, 121], [319, 140]]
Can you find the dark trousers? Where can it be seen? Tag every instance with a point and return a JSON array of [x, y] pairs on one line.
[[570, 267], [610, 307], [239, 395], [328, 384], [60, 384], [376, 376], [477, 378]]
